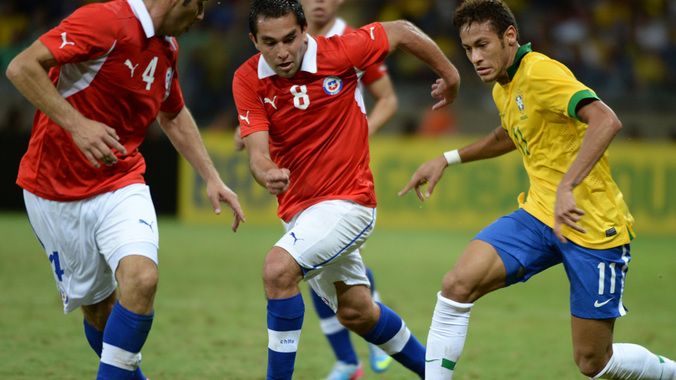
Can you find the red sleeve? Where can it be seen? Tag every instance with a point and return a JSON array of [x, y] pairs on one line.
[[82, 36], [173, 99], [373, 73], [251, 113], [367, 46]]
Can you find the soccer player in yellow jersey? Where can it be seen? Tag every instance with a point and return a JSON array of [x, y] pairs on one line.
[[574, 213]]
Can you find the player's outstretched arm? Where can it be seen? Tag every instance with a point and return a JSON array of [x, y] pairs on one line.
[[28, 72], [184, 135], [409, 38], [263, 169], [494, 144]]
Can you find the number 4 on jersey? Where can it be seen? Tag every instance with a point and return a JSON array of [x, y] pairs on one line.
[[149, 73]]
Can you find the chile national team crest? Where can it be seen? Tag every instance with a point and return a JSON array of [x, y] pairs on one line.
[[167, 82], [333, 85]]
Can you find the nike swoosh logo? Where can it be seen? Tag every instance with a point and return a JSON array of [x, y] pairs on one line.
[[432, 360], [599, 304]]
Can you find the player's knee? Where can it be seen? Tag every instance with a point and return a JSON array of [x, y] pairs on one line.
[[590, 364], [457, 288], [356, 319], [280, 274], [145, 283]]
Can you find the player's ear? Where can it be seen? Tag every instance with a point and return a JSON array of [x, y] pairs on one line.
[[510, 35], [253, 39]]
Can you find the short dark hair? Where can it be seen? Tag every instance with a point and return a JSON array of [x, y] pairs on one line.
[[274, 9], [494, 11]]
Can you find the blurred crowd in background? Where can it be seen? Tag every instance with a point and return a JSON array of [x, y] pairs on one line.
[[623, 49]]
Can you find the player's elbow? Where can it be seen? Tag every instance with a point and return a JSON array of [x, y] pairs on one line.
[[14, 70], [615, 125]]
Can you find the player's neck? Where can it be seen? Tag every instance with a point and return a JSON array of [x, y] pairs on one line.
[[317, 30]]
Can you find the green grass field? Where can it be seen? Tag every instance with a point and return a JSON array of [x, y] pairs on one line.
[[210, 308]]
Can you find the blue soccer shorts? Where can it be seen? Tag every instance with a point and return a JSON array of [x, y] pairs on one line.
[[527, 247]]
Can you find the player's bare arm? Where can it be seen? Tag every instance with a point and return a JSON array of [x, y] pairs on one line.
[[184, 135], [385, 105], [239, 142], [494, 144], [264, 170], [602, 126], [409, 38], [28, 72]]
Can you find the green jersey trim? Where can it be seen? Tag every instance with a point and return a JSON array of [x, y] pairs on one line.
[[575, 100], [523, 50]]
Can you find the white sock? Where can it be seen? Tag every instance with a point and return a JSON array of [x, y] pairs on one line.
[[446, 338], [633, 362]]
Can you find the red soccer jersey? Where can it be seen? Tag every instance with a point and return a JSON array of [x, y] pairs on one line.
[[371, 74], [317, 126], [113, 69]]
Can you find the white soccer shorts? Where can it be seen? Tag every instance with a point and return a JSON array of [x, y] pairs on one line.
[[324, 240], [85, 240]]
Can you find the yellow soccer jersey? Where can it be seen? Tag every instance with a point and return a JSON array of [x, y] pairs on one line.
[[538, 110]]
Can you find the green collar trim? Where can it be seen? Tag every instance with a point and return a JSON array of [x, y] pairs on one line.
[[523, 50]]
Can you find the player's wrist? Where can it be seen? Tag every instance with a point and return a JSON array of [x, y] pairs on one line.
[[452, 157]]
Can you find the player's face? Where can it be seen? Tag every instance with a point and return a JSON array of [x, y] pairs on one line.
[[490, 54], [320, 12], [181, 17], [282, 43]]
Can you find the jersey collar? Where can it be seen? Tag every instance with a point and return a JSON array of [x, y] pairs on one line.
[[309, 61], [337, 29], [523, 50], [142, 14]]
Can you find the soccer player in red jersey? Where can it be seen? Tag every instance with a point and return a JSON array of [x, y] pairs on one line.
[[111, 73], [322, 19], [306, 133]]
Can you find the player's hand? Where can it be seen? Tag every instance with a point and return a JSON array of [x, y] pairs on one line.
[[566, 212], [218, 192], [277, 180], [428, 173], [95, 141], [239, 141], [444, 91]]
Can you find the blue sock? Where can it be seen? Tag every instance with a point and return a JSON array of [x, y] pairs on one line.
[[397, 341], [285, 319], [337, 335], [125, 334], [95, 339]]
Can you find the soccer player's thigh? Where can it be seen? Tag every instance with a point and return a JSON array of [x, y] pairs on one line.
[[522, 244], [324, 240], [597, 279], [128, 225], [66, 231]]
